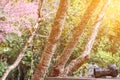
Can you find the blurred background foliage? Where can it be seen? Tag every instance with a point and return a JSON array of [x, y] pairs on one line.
[[106, 49]]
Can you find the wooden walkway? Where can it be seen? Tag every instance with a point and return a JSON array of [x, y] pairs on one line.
[[77, 78]]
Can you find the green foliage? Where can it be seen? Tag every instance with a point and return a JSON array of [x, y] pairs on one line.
[[3, 67], [28, 58], [82, 71], [103, 59]]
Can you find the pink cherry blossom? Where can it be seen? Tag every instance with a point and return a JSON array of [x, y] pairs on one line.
[[20, 12]]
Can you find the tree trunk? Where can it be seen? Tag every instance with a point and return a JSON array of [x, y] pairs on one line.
[[39, 8], [75, 64], [60, 63], [50, 47]]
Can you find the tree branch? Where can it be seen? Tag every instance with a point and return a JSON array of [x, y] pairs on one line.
[[21, 55], [76, 63]]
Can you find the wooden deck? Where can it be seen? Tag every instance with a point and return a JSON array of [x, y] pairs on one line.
[[77, 78]]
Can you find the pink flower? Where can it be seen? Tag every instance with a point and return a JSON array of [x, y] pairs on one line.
[[3, 2], [2, 38], [21, 12]]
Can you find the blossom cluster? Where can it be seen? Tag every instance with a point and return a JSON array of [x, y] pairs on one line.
[[16, 15]]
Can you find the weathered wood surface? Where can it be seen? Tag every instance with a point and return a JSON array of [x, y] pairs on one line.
[[77, 78]]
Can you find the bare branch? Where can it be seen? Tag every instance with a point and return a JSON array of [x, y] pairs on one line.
[[21, 55]]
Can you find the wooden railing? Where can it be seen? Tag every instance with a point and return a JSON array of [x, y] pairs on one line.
[[77, 78]]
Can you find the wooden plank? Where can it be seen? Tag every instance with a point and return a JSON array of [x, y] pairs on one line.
[[78, 78]]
